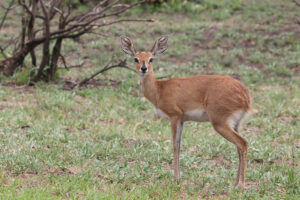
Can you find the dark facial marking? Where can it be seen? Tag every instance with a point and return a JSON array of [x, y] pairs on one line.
[[144, 68], [150, 60], [136, 60]]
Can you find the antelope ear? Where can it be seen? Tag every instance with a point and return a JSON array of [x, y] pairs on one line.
[[160, 45], [127, 45]]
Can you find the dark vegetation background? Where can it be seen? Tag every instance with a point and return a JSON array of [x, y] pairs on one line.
[[66, 134]]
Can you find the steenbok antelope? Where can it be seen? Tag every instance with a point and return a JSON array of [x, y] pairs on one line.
[[221, 100]]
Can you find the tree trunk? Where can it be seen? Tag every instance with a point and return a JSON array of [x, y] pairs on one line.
[[19, 57], [30, 34], [17, 60], [46, 47], [54, 60], [56, 52]]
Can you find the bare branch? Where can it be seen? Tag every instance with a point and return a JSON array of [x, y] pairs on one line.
[[64, 61], [23, 32], [76, 34], [72, 66], [93, 16], [126, 8], [53, 10], [3, 53], [46, 54], [69, 67], [84, 26], [26, 8], [31, 33], [296, 2], [122, 20], [6, 12], [58, 10], [102, 2], [121, 64], [10, 6], [10, 42], [96, 11], [69, 26], [100, 34]]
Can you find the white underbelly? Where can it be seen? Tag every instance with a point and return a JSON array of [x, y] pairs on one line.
[[197, 115]]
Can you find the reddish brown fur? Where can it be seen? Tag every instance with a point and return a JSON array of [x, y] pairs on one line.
[[221, 95], [220, 98]]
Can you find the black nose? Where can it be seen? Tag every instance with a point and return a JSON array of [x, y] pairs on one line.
[[144, 69]]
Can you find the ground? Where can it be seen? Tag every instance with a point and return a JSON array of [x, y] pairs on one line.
[[104, 141]]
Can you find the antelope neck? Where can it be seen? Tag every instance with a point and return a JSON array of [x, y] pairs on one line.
[[149, 87]]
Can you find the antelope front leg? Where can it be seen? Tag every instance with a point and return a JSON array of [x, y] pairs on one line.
[[177, 126]]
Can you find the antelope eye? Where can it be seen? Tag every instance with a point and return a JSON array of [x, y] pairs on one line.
[[150, 60], [136, 60]]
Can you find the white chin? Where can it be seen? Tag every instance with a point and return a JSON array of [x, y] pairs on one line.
[[143, 74]]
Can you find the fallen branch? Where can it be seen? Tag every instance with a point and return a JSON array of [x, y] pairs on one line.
[[121, 64]]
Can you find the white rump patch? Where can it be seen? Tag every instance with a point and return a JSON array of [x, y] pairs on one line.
[[161, 113], [236, 118], [197, 115]]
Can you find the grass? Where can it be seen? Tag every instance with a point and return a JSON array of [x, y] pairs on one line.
[[106, 143]]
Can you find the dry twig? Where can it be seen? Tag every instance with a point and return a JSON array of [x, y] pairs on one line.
[[121, 64]]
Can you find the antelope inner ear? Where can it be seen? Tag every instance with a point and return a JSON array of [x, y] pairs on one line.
[[127, 45], [160, 45]]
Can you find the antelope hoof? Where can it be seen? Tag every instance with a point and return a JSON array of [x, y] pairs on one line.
[[240, 186], [176, 180]]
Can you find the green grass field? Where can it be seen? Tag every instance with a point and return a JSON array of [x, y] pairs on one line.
[[105, 142]]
